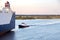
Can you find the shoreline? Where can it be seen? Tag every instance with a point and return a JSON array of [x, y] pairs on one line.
[[38, 17]]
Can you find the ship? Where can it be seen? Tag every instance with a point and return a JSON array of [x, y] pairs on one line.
[[7, 19]]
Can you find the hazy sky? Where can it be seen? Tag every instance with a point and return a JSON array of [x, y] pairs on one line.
[[33, 6]]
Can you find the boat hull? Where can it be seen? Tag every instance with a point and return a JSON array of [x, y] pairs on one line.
[[21, 26], [7, 27]]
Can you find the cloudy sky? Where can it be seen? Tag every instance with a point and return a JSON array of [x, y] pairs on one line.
[[33, 6]]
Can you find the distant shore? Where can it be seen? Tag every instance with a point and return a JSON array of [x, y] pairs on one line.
[[37, 17]]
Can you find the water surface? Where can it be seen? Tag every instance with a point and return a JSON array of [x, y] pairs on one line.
[[40, 29]]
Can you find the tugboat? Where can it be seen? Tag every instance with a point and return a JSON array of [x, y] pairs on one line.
[[7, 19], [23, 25]]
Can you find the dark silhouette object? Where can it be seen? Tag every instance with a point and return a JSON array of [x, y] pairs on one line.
[[8, 36], [23, 25]]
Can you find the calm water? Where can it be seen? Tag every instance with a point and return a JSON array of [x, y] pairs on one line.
[[38, 21], [40, 29]]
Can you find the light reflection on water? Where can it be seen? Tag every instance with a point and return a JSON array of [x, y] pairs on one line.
[[37, 22], [41, 29]]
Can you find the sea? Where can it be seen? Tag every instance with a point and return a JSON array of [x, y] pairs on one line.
[[39, 29]]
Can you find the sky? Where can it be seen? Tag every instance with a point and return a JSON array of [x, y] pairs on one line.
[[33, 6]]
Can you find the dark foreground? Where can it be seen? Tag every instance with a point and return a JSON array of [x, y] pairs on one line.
[[47, 32], [8, 36]]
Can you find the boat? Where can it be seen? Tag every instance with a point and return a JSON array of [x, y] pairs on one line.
[[23, 25], [7, 19]]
